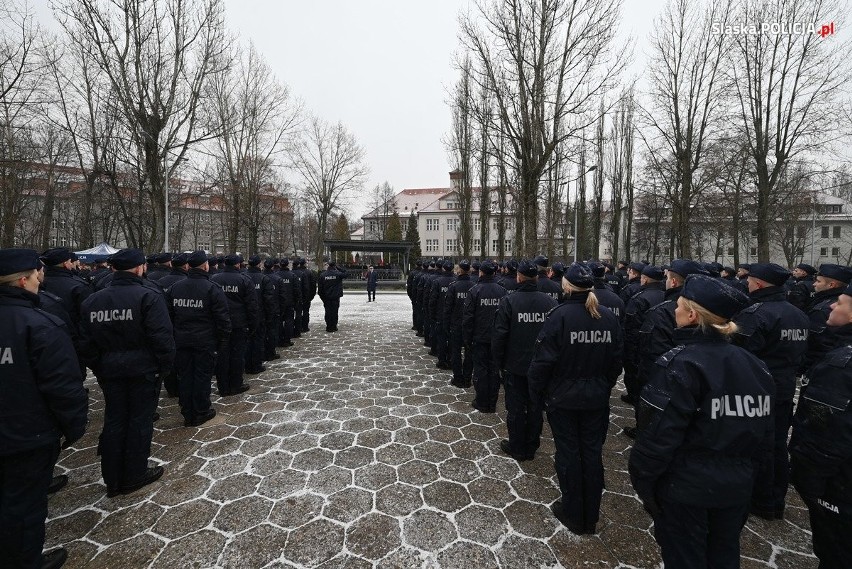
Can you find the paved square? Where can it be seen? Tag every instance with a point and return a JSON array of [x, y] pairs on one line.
[[354, 451]]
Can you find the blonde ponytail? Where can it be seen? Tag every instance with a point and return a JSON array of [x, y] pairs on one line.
[[707, 319], [591, 300]]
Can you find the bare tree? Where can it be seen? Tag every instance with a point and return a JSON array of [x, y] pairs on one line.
[[383, 205], [621, 173], [548, 62], [330, 163], [787, 87], [461, 147]]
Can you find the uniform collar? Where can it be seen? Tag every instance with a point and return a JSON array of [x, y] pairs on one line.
[[19, 296], [122, 278], [672, 293], [695, 335], [196, 273], [769, 294], [527, 286]]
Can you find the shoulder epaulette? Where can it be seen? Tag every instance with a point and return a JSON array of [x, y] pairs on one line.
[[665, 359], [751, 309], [839, 357]]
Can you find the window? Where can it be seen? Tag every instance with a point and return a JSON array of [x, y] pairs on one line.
[[824, 232], [433, 224], [431, 245], [835, 251], [372, 227], [754, 251], [823, 251], [452, 224], [802, 230], [452, 245], [508, 243], [754, 231], [476, 245], [494, 246], [510, 223], [730, 251], [452, 205], [835, 232], [477, 224]]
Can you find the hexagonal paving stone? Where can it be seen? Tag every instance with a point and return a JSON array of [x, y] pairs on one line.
[[349, 504], [428, 530], [258, 445], [71, 527], [499, 467], [482, 524], [314, 543], [255, 547], [226, 466], [490, 492], [132, 521], [271, 462], [398, 499], [138, 551], [247, 512], [373, 536], [432, 451], [186, 518], [282, 483], [313, 459], [466, 555], [471, 450], [233, 487], [394, 454], [354, 457], [410, 436], [337, 441], [446, 496], [330, 480], [533, 520], [195, 551], [374, 438], [459, 470], [417, 472], [375, 476]]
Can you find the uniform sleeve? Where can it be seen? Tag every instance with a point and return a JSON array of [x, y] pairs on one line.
[[54, 367], [158, 331], [270, 300], [449, 301], [545, 357], [221, 315], [297, 291], [469, 316], [616, 362], [252, 308], [500, 336], [820, 340], [750, 334]]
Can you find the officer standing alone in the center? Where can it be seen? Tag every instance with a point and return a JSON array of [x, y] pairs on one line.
[[330, 289]]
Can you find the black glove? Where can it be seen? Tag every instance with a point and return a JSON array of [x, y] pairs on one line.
[[648, 495]]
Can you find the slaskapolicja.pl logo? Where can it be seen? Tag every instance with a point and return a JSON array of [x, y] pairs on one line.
[[774, 28]]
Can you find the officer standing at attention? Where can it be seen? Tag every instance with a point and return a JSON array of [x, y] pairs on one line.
[[437, 300], [555, 273], [831, 280], [243, 311], [545, 285], [410, 289], [309, 291], [178, 273], [477, 325], [330, 289], [801, 288], [605, 295], [576, 364], [453, 316], [633, 283], [128, 341], [267, 302], [202, 324], [776, 332], [621, 274], [474, 272], [289, 296], [42, 401], [372, 278], [650, 293], [271, 340], [510, 277], [59, 279], [705, 427], [821, 444], [520, 317], [161, 266]]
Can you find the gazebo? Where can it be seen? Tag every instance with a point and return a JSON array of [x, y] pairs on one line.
[[403, 247]]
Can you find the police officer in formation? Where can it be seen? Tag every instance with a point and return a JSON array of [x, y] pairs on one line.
[[266, 295], [128, 341], [831, 280], [437, 297], [649, 293], [800, 288], [510, 275], [776, 332], [289, 296], [244, 314], [576, 364], [202, 325], [309, 291], [821, 443], [454, 303], [605, 294], [545, 284], [411, 290], [633, 283], [43, 405], [519, 318], [330, 289], [705, 427]]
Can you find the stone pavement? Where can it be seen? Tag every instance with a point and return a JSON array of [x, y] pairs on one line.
[[354, 451]]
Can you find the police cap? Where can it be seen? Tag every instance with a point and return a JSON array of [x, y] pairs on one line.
[[285, 262], [652, 272], [302, 262], [270, 262], [447, 265], [807, 268], [475, 265], [151, 259], [745, 266], [18, 261], [715, 295], [686, 267], [464, 265], [128, 259], [196, 258], [56, 256], [487, 267], [836, 272], [180, 259], [636, 266], [254, 260], [770, 272], [541, 261], [527, 268], [162, 257], [513, 265], [418, 264], [729, 270], [597, 270], [557, 268], [710, 269], [233, 260], [580, 275]]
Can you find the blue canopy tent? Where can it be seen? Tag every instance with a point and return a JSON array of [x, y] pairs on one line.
[[97, 253]]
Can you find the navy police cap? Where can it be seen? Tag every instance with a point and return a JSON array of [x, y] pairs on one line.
[[254, 260], [180, 259], [541, 261], [558, 268], [448, 265], [464, 265], [807, 268], [18, 261], [579, 275], [512, 265], [197, 258], [488, 267], [714, 295], [652, 272], [56, 256], [836, 272], [528, 268], [475, 265], [638, 267], [686, 267], [232, 260], [772, 273], [597, 269], [127, 259]]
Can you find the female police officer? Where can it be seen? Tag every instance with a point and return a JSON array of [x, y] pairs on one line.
[[704, 427], [576, 364], [41, 401]]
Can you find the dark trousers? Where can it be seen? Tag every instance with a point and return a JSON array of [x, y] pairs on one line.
[[578, 436], [631, 378], [694, 537], [415, 316], [306, 316], [271, 340], [129, 405], [231, 362], [371, 293], [255, 348], [332, 306], [427, 328], [297, 320], [770, 486], [486, 380], [195, 372], [170, 381], [24, 478], [523, 417], [462, 363], [285, 330], [830, 534], [442, 344]]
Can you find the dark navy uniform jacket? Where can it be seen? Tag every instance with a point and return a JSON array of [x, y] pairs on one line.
[[479, 310], [821, 338], [41, 392], [821, 444], [520, 317], [739, 284], [308, 282], [454, 301], [266, 293], [72, 289], [704, 423], [656, 335], [608, 298], [168, 280], [330, 284], [199, 310], [776, 332], [242, 300], [630, 288], [372, 279], [577, 358], [289, 290], [636, 309], [411, 283], [510, 281], [438, 294], [800, 292], [126, 330], [548, 287], [157, 271]]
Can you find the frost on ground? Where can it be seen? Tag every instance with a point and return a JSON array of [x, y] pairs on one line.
[[354, 451]]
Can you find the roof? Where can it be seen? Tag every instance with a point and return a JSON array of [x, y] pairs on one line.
[[408, 200]]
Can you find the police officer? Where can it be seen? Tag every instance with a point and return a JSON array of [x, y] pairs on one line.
[[330, 289], [545, 285], [453, 316], [821, 444], [605, 295], [161, 266], [776, 332], [410, 290], [474, 272], [802, 288], [297, 308], [729, 274], [705, 425], [437, 299], [272, 329], [477, 324], [60, 280], [611, 279], [42, 401], [576, 363], [650, 293], [127, 340], [425, 288], [267, 302], [831, 280], [742, 273], [178, 272], [372, 278], [202, 324], [555, 273], [621, 274], [289, 296], [510, 277], [633, 283], [309, 291], [243, 312], [520, 316]]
